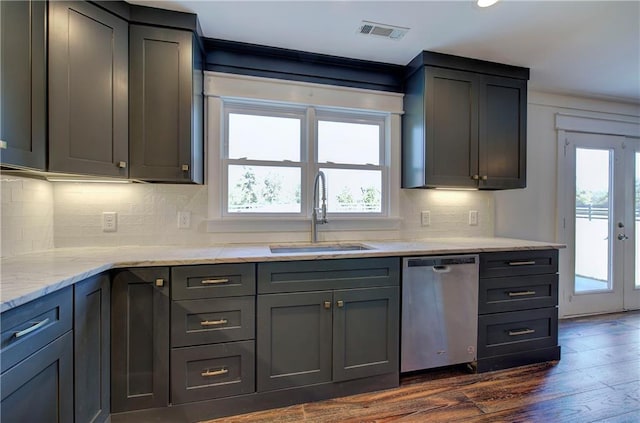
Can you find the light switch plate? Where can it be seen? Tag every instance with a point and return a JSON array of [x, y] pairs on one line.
[[473, 217], [425, 218], [184, 220], [109, 222]]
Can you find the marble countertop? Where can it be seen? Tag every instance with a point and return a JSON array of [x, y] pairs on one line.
[[30, 276]]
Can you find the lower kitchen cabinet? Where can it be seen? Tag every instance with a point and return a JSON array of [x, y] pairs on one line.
[[92, 358], [36, 360], [518, 314], [139, 339], [306, 338], [39, 388]]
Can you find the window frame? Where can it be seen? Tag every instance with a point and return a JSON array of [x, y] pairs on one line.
[[309, 165], [256, 108]]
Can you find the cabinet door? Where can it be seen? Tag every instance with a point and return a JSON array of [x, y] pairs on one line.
[[38, 389], [88, 90], [365, 332], [23, 83], [451, 128], [161, 86], [92, 349], [140, 339], [293, 339], [503, 133]]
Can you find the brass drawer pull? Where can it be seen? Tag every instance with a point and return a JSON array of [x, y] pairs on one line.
[[219, 372], [3, 145], [214, 322], [521, 332], [340, 303], [522, 263], [327, 305], [31, 328], [214, 281], [521, 293]]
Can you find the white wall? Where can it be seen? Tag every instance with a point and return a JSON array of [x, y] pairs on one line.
[[531, 213]]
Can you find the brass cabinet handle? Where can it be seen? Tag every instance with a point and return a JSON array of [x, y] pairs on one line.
[[522, 263], [122, 165], [485, 177], [209, 373], [214, 322], [31, 328], [214, 281], [340, 303], [521, 293], [327, 305], [521, 332], [475, 177], [185, 167], [3, 145], [159, 282]]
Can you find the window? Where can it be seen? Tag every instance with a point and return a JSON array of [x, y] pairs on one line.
[[273, 152]]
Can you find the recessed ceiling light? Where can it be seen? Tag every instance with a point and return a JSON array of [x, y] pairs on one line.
[[486, 3]]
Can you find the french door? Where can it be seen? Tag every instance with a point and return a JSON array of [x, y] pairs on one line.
[[599, 219]]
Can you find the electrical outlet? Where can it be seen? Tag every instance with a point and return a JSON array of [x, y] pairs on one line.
[[184, 220], [109, 222], [473, 217], [425, 218]]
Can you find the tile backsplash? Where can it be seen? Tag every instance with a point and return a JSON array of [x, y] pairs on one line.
[[38, 215], [27, 215]]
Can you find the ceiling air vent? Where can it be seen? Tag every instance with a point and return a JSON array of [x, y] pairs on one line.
[[382, 30]]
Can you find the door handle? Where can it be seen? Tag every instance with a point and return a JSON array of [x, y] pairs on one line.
[[622, 237]]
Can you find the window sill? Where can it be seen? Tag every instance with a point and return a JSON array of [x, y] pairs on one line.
[[244, 225]]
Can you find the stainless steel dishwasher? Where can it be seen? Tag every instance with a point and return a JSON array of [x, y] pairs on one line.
[[439, 311]]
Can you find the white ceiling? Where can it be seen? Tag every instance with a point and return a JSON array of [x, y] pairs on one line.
[[589, 48]]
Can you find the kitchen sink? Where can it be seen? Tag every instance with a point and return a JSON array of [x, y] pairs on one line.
[[284, 249]]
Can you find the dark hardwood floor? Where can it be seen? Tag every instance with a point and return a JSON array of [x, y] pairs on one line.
[[597, 380]]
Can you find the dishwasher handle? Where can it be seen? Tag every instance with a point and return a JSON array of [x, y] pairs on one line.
[[441, 269]]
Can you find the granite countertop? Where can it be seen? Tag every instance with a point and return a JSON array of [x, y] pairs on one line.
[[30, 276]]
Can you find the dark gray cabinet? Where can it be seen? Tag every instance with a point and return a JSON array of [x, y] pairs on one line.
[[333, 335], [212, 331], [464, 124], [166, 105], [92, 347], [139, 339], [23, 84], [517, 307], [36, 380], [88, 90]]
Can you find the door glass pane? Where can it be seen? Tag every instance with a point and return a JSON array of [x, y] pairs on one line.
[[637, 219], [593, 209]]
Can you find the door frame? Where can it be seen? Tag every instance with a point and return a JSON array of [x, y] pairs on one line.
[[565, 123]]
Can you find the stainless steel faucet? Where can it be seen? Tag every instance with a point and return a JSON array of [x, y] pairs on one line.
[[323, 208]]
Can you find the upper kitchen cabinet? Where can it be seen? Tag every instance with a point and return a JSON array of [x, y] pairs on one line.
[[166, 105], [465, 124], [23, 84], [88, 97]]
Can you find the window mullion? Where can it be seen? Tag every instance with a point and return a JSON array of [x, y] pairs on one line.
[[311, 146]]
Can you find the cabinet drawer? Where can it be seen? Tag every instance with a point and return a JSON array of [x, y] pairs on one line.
[[514, 263], [212, 371], [517, 293], [29, 327], [317, 275], [517, 331], [217, 280], [196, 322]]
